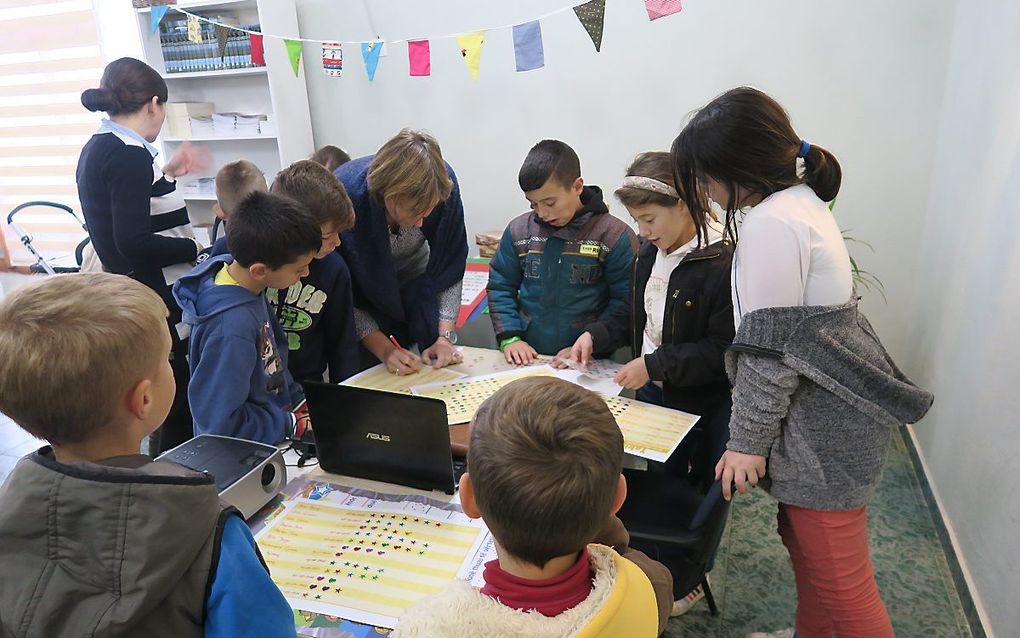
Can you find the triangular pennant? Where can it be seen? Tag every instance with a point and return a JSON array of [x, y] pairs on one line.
[[471, 48], [156, 16], [662, 8], [370, 53], [419, 58], [528, 49], [333, 59], [293, 53], [593, 16], [194, 29], [222, 35], [258, 53]]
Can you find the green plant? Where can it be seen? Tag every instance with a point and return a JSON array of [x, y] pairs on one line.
[[862, 278]]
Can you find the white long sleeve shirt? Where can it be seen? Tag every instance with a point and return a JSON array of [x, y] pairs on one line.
[[790, 253]]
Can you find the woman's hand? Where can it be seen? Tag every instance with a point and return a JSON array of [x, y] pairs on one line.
[[634, 375], [186, 160], [400, 361], [441, 354], [741, 469], [520, 353]]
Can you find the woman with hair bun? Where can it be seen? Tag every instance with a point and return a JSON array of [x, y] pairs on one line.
[[136, 218]]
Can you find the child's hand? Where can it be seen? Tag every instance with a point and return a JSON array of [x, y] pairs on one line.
[[561, 356], [582, 349], [634, 375], [188, 159], [302, 420], [400, 362], [441, 354], [739, 468], [520, 353]]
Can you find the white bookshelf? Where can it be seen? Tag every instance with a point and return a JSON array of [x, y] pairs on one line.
[[271, 89]]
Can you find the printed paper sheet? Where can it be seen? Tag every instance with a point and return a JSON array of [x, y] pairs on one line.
[[368, 556], [650, 431], [379, 378], [464, 397]]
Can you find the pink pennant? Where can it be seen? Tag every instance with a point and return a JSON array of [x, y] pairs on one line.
[[662, 8], [419, 58]]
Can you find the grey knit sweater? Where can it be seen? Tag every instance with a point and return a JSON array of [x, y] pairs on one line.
[[815, 391]]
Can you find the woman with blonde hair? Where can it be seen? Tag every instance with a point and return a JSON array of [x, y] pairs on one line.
[[406, 252]]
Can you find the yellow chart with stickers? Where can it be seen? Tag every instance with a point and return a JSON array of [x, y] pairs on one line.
[[369, 560], [463, 397]]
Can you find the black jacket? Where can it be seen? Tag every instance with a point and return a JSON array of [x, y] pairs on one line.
[[697, 328]]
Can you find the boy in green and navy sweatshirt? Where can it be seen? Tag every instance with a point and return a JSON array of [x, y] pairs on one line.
[[561, 266], [317, 313]]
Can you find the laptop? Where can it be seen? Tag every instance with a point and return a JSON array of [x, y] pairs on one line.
[[382, 436]]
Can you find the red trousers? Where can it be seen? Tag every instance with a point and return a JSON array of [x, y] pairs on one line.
[[836, 589]]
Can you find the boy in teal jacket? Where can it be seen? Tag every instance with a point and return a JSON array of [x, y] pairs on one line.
[[561, 266]]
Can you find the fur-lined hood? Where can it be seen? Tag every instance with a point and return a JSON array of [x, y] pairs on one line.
[[621, 603]]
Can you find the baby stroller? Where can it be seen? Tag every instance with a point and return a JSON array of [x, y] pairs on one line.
[[51, 264]]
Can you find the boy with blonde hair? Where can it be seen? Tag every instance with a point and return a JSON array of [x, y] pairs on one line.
[[96, 539], [544, 473], [234, 181]]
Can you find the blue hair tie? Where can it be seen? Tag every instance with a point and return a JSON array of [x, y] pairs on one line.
[[804, 148]]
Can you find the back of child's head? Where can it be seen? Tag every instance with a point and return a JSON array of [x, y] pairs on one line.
[[331, 157], [744, 138], [273, 230], [410, 168], [549, 159], [544, 458], [316, 188], [235, 181], [71, 346]]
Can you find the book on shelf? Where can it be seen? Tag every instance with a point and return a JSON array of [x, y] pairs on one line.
[[179, 114], [181, 55]]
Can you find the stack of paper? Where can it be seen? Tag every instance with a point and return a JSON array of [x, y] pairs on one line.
[[237, 124], [180, 117], [202, 126]]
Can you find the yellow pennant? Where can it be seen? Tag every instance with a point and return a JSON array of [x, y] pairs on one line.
[[194, 30], [471, 48]]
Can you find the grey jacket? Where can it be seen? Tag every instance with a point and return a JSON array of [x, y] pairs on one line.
[[124, 548], [815, 391]]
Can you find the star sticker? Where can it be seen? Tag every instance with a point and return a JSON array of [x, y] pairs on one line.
[[375, 578], [424, 544], [318, 596], [347, 564], [421, 553], [362, 577], [381, 570], [332, 562], [350, 574]]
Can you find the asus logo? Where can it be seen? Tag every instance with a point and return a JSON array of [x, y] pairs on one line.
[[378, 437]]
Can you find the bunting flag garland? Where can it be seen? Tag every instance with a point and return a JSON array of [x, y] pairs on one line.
[[471, 48], [333, 59], [293, 53], [528, 50], [222, 34], [258, 54], [194, 30], [593, 16], [662, 8], [370, 52], [158, 11], [419, 58]]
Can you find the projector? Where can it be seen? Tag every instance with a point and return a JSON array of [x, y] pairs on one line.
[[248, 474]]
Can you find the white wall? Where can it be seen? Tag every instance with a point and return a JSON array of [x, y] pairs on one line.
[[966, 328], [861, 78]]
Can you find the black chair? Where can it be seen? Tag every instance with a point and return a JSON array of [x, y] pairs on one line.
[[679, 520], [672, 522]]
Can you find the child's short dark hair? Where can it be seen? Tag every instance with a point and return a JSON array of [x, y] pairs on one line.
[[549, 159], [331, 157], [273, 230], [545, 457], [314, 186]]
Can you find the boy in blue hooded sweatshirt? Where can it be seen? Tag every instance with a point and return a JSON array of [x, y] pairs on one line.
[[240, 385]]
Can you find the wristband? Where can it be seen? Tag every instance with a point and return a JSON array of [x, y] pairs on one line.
[[505, 342]]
